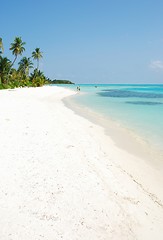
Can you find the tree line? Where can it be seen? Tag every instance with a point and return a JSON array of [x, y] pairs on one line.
[[11, 77]]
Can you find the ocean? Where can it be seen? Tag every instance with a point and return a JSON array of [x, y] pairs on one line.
[[138, 108]]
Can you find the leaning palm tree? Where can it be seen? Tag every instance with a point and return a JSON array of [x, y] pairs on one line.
[[17, 48], [24, 65], [37, 54], [1, 46]]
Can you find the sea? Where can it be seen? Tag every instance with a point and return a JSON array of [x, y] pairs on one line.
[[138, 108]]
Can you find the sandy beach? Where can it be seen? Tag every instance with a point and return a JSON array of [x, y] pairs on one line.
[[62, 177]]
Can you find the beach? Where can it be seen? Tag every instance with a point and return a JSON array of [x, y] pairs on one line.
[[63, 177]]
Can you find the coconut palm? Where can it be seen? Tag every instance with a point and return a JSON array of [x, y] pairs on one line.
[[17, 48], [37, 73], [24, 65], [1, 46], [38, 79], [37, 54]]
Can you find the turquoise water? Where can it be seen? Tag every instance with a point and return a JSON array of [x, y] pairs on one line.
[[136, 107]]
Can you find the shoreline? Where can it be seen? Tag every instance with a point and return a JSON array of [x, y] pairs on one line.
[[138, 159], [124, 138], [62, 177]]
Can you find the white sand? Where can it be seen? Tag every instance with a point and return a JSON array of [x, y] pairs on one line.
[[61, 177]]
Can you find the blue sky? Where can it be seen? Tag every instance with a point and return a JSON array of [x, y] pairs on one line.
[[90, 41]]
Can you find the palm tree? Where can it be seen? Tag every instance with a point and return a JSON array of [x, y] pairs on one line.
[[37, 54], [17, 48], [37, 78], [5, 65], [1, 46], [37, 73], [24, 65]]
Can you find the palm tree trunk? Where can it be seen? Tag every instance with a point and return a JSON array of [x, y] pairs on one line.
[[14, 61], [10, 68], [37, 64]]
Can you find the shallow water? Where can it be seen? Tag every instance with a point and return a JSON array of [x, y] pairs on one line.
[[137, 107]]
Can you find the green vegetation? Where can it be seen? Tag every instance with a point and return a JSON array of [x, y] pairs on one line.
[[60, 82], [20, 77]]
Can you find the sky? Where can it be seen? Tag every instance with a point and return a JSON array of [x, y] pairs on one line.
[[89, 41]]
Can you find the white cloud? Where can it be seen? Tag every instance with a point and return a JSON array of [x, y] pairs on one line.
[[156, 65]]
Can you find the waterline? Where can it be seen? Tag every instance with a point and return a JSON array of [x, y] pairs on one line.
[[136, 108]]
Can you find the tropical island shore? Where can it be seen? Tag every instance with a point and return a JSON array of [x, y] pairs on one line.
[[62, 177]]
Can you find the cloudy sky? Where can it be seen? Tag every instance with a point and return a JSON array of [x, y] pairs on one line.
[[90, 41]]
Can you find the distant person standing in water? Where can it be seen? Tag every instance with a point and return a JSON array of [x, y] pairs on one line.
[[78, 88]]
